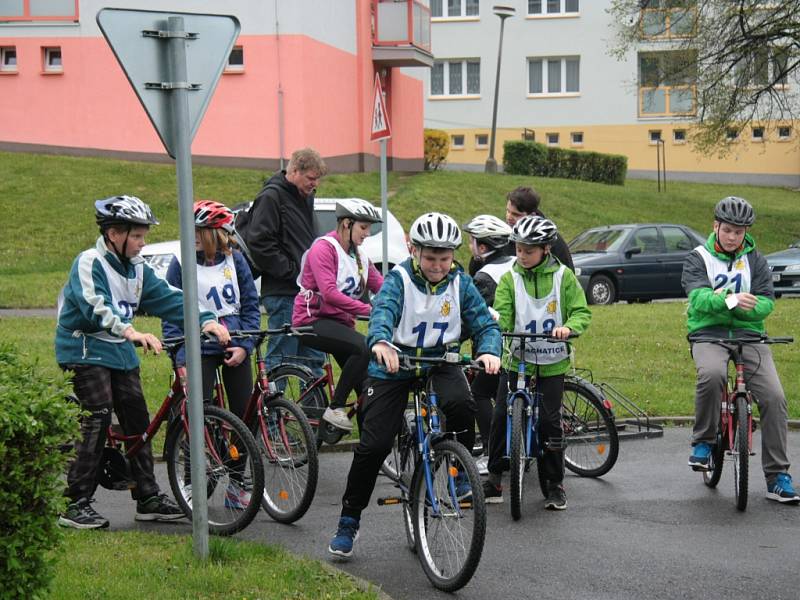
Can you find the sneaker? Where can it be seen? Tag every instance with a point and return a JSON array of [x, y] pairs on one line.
[[81, 515], [463, 488], [701, 456], [482, 464], [556, 498], [346, 535], [236, 496], [781, 490], [338, 418], [492, 493], [158, 507]]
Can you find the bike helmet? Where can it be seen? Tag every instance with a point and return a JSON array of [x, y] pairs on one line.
[[127, 210], [534, 230], [736, 211], [435, 230], [213, 215], [489, 230], [358, 210]]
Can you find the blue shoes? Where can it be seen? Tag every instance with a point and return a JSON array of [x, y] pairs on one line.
[[346, 535], [700, 459], [781, 489]]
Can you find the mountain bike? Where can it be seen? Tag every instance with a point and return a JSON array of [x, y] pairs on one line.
[[735, 429]]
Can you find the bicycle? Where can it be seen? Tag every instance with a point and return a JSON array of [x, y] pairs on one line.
[[231, 455], [446, 531], [735, 429], [284, 437]]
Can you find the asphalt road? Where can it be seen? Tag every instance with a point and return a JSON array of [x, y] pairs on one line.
[[648, 529]]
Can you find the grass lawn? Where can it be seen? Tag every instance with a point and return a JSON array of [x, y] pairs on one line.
[[95, 565], [53, 199]]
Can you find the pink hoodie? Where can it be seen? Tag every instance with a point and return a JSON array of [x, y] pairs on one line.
[[319, 275]]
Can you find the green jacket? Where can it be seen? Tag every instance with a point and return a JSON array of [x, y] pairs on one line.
[[575, 314], [708, 314]]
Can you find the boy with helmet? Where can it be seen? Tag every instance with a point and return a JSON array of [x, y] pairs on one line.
[[538, 295], [95, 340], [423, 305], [488, 238], [729, 285], [334, 275], [225, 288]]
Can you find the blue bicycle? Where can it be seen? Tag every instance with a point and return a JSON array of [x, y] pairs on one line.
[[443, 506]]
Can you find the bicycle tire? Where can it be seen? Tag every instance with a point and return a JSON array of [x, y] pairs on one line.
[[590, 434], [291, 464], [409, 458], [517, 459], [293, 380], [450, 544], [712, 476], [741, 453], [540, 472], [232, 462]]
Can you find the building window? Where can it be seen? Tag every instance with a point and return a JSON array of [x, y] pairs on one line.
[[731, 135], [784, 133], [552, 139], [553, 7], [576, 137], [666, 83], [51, 60], [757, 134], [654, 136], [8, 59], [453, 9], [764, 67], [668, 18], [235, 60], [554, 75], [679, 136], [481, 141], [38, 10], [456, 78], [457, 141]]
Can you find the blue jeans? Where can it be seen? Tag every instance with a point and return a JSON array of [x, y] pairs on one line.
[[279, 312]]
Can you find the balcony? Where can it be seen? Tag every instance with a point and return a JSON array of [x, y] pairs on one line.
[[401, 33]]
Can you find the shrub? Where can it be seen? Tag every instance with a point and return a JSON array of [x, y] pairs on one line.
[[437, 145], [35, 422], [530, 158]]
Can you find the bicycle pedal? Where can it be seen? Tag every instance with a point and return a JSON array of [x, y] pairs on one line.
[[389, 501], [700, 469]]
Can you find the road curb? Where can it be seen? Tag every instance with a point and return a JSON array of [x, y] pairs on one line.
[[361, 584], [680, 421]]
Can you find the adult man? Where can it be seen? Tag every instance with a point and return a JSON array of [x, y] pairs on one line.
[[281, 228]]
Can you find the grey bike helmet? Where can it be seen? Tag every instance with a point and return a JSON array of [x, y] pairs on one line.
[[489, 230], [358, 210], [125, 210], [534, 230], [736, 211], [435, 230]]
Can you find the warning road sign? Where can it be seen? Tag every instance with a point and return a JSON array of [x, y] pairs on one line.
[[380, 116]]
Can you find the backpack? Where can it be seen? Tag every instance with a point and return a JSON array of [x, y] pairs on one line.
[[241, 225]]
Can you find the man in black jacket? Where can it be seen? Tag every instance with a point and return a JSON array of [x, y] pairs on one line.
[[281, 228]]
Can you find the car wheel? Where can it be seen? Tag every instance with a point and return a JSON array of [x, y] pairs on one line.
[[601, 290]]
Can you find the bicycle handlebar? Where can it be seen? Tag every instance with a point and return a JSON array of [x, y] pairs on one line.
[[540, 336], [747, 340], [449, 358], [285, 329]]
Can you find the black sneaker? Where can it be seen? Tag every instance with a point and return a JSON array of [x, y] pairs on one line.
[[158, 508], [556, 498], [492, 493], [81, 515]]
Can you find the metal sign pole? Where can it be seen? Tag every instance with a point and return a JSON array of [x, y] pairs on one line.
[[384, 209], [179, 101]]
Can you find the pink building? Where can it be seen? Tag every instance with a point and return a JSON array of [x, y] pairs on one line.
[[301, 74]]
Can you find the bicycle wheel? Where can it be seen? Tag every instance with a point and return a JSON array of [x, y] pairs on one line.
[[590, 435], [517, 458], [289, 453], [294, 381], [711, 477], [392, 464], [450, 540], [234, 471], [741, 452], [408, 463]]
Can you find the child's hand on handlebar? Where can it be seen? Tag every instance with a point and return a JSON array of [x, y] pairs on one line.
[[146, 340], [491, 363], [387, 356], [561, 333], [218, 330]]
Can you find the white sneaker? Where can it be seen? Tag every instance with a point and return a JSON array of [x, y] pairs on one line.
[[482, 463], [338, 418]]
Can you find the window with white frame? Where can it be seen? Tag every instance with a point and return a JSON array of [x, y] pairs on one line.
[[481, 141], [554, 75], [654, 135], [732, 135], [456, 78], [457, 141], [51, 60], [453, 9], [552, 139], [784, 133], [235, 62], [765, 67], [553, 7], [576, 138], [757, 134], [8, 58], [679, 136]]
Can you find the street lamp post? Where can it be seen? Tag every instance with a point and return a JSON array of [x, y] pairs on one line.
[[503, 12]]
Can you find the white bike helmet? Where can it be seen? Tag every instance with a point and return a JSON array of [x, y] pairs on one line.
[[489, 230], [127, 210], [534, 231], [358, 210], [736, 211], [435, 230]]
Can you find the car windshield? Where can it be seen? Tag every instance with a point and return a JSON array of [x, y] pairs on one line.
[[598, 240], [327, 222]]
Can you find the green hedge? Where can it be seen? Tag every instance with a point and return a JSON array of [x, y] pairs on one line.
[[35, 422], [437, 146], [530, 158]]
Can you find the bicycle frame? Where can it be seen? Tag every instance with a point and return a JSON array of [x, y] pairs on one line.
[[729, 396]]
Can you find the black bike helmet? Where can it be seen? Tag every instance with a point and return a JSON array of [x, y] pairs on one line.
[[736, 211]]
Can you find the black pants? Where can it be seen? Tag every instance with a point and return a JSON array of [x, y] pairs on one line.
[[101, 390], [381, 417], [550, 433], [238, 382], [349, 349], [484, 389]]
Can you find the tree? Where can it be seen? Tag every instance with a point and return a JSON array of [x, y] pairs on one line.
[[739, 59]]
